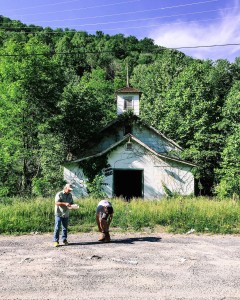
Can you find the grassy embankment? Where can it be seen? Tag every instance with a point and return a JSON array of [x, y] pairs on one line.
[[179, 215]]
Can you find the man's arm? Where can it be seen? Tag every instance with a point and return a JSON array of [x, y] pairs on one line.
[[102, 223], [63, 204], [98, 222], [110, 219], [59, 200]]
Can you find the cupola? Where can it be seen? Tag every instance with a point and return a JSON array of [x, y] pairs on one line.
[[128, 99]]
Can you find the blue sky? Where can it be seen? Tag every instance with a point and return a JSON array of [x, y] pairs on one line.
[[171, 23]]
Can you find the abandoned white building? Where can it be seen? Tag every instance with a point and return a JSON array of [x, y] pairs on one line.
[[134, 159]]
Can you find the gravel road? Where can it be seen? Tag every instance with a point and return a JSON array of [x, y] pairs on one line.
[[133, 266]]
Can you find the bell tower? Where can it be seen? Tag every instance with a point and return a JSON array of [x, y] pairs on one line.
[[128, 98]]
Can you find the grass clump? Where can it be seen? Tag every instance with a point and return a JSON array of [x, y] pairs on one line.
[[176, 214]]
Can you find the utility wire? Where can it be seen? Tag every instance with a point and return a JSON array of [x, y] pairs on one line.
[[112, 51], [118, 28], [119, 14], [206, 46], [38, 6], [66, 2], [126, 21], [145, 19], [145, 26]]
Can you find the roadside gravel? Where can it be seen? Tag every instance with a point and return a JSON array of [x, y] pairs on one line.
[[133, 266]]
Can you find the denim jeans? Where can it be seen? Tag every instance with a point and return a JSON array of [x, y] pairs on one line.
[[58, 222]]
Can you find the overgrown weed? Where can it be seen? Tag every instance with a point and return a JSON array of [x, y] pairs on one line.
[[177, 214]]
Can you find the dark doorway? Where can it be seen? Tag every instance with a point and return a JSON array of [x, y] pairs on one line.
[[128, 183]]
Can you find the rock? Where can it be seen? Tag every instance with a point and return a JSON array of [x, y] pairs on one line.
[[94, 257], [191, 231], [27, 259]]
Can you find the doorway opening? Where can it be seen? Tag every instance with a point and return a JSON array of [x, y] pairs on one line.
[[128, 183]]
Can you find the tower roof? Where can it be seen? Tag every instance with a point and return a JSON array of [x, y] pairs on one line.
[[127, 89]]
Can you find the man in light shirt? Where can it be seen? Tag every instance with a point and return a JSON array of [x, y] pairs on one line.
[[63, 201], [104, 215]]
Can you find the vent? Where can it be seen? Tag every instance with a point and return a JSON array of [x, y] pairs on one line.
[[129, 146]]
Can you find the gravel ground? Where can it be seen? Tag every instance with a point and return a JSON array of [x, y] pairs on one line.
[[133, 266]]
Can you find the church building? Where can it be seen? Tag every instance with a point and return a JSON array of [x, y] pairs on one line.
[[133, 158]]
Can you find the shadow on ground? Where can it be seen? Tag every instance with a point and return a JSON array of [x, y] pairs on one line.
[[128, 241]]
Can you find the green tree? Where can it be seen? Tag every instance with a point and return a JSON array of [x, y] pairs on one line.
[[86, 106], [30, 89], [228, 173], [155, 80], [193, 114], [49, 177]]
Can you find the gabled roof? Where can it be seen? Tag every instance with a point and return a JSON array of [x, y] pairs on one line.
[[148, 126], [94, 140], [130, 137]]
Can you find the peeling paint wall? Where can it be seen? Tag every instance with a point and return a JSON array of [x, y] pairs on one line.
[[152, 139], [75, 176]]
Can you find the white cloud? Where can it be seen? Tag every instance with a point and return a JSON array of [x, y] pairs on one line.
[[223, 30]]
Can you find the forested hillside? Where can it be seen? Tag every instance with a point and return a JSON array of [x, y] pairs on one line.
[[57, 88]]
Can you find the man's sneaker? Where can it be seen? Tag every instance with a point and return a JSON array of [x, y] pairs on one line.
[[65, 242], [56, 244]]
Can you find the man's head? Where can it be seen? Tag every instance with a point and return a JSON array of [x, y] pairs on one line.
[[108, 210], [67, 188]]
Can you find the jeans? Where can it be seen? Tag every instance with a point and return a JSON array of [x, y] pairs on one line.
[[58, 222]]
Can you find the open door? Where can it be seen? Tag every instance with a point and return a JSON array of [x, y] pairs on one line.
[[128, 183]]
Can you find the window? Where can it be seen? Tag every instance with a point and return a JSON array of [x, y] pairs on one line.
[[128, 103]]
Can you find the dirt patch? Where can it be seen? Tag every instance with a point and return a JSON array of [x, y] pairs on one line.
[[132, 266]]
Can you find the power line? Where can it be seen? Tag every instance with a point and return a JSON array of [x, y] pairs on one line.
[[120, 14], [206, 46], [146, 19], [38, 6], [126, 21], [55, 53], [66, 2], [154, 25], [112, 51], [111, 29]]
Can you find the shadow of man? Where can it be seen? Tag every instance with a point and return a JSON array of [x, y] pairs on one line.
[[129, 241]]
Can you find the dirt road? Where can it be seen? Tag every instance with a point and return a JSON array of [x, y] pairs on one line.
[[132, 266]]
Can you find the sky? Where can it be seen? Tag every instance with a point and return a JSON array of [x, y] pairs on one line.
[[205, 29]]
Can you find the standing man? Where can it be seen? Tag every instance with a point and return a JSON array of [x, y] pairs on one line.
[[104, 215], [63, 200]]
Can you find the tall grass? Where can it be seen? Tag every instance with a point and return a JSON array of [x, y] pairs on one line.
[[26, 215], [179, 214]]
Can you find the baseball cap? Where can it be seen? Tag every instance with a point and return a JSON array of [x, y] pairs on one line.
[[68, 186]]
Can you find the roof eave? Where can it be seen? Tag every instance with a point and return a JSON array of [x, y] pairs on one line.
[[126, 137]]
